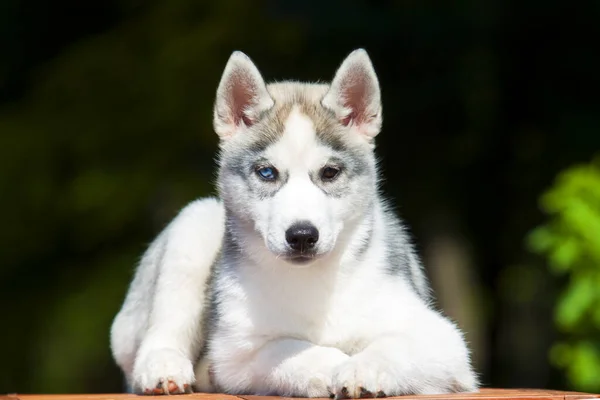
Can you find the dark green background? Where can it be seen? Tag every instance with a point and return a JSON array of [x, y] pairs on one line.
[[105, 133]]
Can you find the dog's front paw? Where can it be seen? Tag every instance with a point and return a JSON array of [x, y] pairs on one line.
[[307, 373], [361, 378], [367, 377], [163, 371]]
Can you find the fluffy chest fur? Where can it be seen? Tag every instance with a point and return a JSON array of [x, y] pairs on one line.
[[341, 301], [345, 312]]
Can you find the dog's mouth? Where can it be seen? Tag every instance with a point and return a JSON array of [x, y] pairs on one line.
[[300, 258]]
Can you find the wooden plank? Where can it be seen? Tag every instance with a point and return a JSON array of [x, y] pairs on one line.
[[484, 394], [119, 396]]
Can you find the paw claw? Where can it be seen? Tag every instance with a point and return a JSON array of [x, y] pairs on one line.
[[344, 393], [162, 372], [172, 387], [380, 393], [365, 394]]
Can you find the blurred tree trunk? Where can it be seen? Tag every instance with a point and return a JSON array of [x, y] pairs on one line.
[[458, 292]]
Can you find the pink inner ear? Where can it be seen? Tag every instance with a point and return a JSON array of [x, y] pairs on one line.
[[348, 118], [247, 121], [242, 97], [355, 97]]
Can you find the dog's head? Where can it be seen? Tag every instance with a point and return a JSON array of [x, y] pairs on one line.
[[297, 168]]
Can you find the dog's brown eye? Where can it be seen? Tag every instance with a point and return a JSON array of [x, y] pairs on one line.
[[329, 173]]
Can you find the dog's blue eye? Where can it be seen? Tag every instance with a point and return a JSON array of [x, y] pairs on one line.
[[267, 173]]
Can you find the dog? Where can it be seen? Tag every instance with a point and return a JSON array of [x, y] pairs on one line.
[[298, 280]]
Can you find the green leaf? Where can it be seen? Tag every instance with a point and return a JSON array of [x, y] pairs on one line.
[[541, 239], [574, 302], [584, 371], [565, 254]]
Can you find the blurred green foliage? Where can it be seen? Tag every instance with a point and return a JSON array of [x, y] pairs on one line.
[[570, 240]]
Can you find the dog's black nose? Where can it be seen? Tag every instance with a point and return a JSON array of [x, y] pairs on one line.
[[302, 236]]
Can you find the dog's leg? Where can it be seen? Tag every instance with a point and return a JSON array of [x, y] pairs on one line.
[[130, 324], [429, 357], [285, 367], [163, 363]]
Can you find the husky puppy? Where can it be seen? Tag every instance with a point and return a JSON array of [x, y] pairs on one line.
[[298, 281]]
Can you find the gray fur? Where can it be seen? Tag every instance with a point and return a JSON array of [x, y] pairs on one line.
[[401, 256]]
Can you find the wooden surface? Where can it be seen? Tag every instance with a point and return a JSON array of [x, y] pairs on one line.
[[485, 394]]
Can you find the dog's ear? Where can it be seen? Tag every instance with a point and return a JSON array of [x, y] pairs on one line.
[[241, 96], [355, 96]]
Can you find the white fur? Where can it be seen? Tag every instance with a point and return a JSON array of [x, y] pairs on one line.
[[155, 337], [296, 153], [306, 332], [340, 324]]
